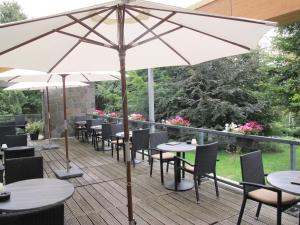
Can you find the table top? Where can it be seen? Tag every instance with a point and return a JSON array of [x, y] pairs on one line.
[[282, 180], [176, 147], [80, 122], [36, 194], [97, 127], [18, 148], [121, 134]]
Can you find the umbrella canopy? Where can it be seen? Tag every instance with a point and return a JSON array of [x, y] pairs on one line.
[[125, 35], [42, 85], [20, 75]]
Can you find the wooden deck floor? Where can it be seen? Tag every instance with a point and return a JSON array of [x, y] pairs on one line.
[[100, 195]]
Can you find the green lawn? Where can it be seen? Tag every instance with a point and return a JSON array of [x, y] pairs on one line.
[[229, 164]]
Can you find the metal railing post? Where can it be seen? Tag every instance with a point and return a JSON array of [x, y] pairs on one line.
[[201, 138], [293, 157]]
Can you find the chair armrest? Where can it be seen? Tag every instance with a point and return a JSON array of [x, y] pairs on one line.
[[183, 160], [266, 174], [260, 186]]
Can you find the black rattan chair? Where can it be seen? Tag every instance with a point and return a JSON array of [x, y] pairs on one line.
[[20, 121], [78, 128], [255, 188], [18, 153], [6, 130], [205, 164], [140, 143], [166, 157], [53, 215], [116, 141], [87, 131], [15, 140], [23, 168], [105, 135], [8, 123]]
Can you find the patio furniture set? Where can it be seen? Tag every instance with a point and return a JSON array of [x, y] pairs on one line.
[[27, 197], [280, 193]]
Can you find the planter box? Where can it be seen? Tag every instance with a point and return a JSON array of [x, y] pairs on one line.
[[34, 137]]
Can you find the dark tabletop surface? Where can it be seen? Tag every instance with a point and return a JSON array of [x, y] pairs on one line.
[[176, 147], [18, 148], [36, 194], [80, 122], [121, 134], [282, 180]]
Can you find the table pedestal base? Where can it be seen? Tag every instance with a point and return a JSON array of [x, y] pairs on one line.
[[50, 146], [184, 185], [64, 174]]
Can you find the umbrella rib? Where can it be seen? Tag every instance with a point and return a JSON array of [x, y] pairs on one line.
[[153, 38], [10, 80], [47, 33], [152, 28], [49, 17], [193, 29], [268, 23], [164, 42], [95, 32], [80, 40], [49, 79], [85, 77]]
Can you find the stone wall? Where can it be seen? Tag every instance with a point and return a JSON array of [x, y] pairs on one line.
[[80, 101]]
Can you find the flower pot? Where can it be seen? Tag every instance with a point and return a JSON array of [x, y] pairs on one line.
[[34, 136]]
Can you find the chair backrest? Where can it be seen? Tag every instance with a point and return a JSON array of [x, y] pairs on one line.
[[140, 139], [116, 128], [8, 123], [106, 131], [20, 153], [6, 130], [206, 158], [79, 118], [15, 140], [157, 138], [20, 120], [252, 169], [23, 168]]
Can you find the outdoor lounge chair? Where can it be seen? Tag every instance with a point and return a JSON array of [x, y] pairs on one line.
[[20, 121], [205, 164], [255, 188], [6, 130], [156, 139], [18, 169]]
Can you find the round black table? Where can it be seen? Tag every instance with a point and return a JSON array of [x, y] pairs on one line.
[[179, 148], [283, 181], [121, 134], [36, 194]]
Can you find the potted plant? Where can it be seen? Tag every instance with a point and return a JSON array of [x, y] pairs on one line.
[[34, 129]]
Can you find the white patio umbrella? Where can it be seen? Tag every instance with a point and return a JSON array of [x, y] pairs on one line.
[[44, 86], [19, 75], [145, 34]]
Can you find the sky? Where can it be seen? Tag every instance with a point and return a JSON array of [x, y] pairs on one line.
[[38, 8]]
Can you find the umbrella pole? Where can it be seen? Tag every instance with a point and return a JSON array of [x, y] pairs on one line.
[[122, 56], [49, 116], [65, 122], [70, 172]]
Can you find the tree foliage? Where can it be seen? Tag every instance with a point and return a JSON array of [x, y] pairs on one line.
[[11, 11]]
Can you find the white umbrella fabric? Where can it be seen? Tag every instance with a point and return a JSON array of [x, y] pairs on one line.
[[27, 86], [146, 34]]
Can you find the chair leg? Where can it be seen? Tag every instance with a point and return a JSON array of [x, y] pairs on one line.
[[151, 167], [118, 154], [242, 211], [167, 169], [258, 210], [278, 215], [161, 164], [216, 185], [143, 154], [112, 150], [196, 189]]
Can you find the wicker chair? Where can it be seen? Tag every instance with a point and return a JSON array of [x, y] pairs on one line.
[[255, 188], [20, 121], [87, 131], [205, 164], [53, 215], [18, 153], [140, 143], [116, 141], [15, 140], [18, 169], [6, 130], [166, 157], [78, 128], [105, 135]]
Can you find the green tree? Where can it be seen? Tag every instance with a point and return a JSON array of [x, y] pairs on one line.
[[11, 11]]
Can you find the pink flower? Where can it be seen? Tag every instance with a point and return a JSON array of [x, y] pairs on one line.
[[113, 114], [100, 112], [178, 120], [136, 116], [251, 127]]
